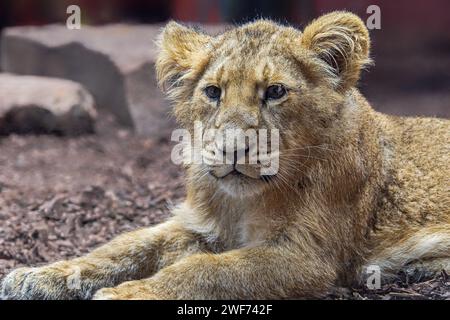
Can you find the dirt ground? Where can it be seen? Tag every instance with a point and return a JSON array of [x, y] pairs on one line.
[[61, 197]]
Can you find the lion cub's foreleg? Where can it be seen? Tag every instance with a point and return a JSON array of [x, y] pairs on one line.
[[248, 273], [133, 255]]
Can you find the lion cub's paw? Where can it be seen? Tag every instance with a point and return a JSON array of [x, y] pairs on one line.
[[40, 283], [109, 294], [127, 291]]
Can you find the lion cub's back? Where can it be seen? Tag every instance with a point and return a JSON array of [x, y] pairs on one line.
[[418, 156]]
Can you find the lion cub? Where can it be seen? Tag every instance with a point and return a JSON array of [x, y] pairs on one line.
[[354, 187]]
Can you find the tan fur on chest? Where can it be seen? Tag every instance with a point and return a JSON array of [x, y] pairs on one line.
[[233, 223]]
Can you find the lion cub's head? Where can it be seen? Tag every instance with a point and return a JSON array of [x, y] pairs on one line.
[[262, 75]]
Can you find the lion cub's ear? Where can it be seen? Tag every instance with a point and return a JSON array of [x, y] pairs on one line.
[[182, 54], [341, 40]]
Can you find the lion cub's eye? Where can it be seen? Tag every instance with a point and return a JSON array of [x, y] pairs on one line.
[[275, 91], [213, 92]]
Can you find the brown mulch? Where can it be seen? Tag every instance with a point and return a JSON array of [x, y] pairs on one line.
[[61, 197], [437, 288]]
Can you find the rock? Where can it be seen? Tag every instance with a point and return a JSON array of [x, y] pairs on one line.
[[114, 62], [30, 104]]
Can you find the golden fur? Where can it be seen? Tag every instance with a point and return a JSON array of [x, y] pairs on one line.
[[354, 187]]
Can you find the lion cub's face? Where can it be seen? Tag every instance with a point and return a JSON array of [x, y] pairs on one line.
[[261, 82]]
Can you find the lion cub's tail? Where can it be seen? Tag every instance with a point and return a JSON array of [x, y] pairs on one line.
[[428, 248]]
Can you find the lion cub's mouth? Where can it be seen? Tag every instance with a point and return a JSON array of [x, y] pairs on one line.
[[222, 174], [236, 174], [237, 171]]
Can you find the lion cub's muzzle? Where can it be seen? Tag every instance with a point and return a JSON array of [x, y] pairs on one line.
[[225, 159]]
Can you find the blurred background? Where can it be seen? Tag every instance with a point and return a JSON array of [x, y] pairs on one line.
[[411, 50]]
